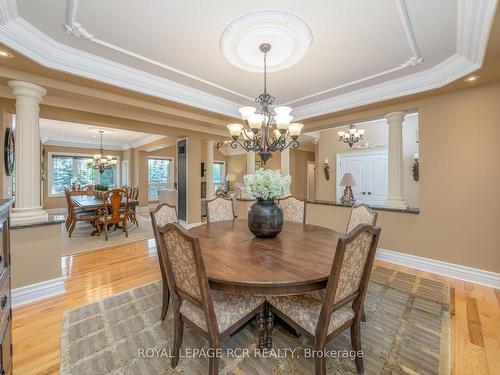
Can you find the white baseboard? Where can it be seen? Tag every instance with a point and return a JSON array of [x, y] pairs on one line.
[[455, 271], [36, 292]]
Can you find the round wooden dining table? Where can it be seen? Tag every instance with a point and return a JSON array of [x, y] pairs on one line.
[[298, 260]]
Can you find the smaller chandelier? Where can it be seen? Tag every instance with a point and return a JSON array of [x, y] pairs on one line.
[[100, 161], [352, 135]]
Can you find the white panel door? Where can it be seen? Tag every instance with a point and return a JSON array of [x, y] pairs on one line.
[[370, 172]]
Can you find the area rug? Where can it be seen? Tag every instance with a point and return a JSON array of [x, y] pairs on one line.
[[82, 241], [407, 332]]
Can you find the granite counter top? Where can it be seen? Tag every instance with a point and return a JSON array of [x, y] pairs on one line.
[[376, 208]]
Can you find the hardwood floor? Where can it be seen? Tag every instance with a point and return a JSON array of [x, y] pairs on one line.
[[92, 276]]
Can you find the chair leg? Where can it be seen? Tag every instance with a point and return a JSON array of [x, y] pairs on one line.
[[213, 363], [125, 228], [106, 231], [363, 315], [356, 344], [72, 227], [166, 300], [319, 364], [178, 332]]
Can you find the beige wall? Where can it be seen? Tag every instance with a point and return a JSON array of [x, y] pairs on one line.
[[459, 181], [298, 171], [377, 133], [60, 202]]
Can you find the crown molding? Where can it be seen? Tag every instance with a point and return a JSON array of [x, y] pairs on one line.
[[474, 22], [69, 143]]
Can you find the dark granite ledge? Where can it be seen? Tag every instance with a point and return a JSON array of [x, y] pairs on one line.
[[376, 208], [53, 220]]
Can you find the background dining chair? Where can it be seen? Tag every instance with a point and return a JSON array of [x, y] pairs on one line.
[[133, 194], [75, 215], [115, 210], [294, 209], [219, 209], [323, 314], [212, 313], [162, 215], [361, 214]]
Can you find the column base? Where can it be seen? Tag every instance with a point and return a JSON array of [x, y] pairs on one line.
[[396, 203], [30, 215]]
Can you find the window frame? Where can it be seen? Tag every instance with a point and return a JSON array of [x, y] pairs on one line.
[[50, 170], [170, 184], [224, 173]]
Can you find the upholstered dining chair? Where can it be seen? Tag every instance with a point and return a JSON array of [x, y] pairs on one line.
[[114, 212], [162, 215], [74, 214], [212, 313], [294, 209], [323, 314], [219, 209], [361, 214]]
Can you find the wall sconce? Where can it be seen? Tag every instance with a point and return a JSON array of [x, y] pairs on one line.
[[326, 169], [416, 168]]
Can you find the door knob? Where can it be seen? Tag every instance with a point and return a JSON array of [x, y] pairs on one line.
[[369, 192], [363, 193]]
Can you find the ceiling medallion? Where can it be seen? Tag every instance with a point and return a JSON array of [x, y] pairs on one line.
[[289, 35]]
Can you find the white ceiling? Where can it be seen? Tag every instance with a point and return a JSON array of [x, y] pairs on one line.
[[70, 134], [362, 50]]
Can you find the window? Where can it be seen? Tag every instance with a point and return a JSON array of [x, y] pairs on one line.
[[159, 176], [66, 169], [218, 175]]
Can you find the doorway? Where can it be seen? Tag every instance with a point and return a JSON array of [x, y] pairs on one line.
[[182, 182]]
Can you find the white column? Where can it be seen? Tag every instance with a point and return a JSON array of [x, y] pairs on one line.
[[395, 198], [250, 162], [209, 169], [285, 162], [28, 198]]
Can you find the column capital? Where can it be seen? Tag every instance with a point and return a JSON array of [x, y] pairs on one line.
[[210, 142], [395, 117], [26, 89]]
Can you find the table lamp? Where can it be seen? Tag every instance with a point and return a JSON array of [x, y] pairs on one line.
[[347, 181]]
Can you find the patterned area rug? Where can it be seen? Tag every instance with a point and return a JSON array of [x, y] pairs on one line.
[[407, 332]]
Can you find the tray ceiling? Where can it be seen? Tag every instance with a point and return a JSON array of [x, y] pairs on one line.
[[362, 51]]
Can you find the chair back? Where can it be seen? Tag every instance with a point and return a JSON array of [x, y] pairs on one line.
[[69, 202], [164, 214], [134, 195], [219, 209], [294, 209], [88, 190], [185, 270], [113, 200], [350, 273], [361, 214]]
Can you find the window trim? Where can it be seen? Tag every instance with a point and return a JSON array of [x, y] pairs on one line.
[[50, 169], [224, 174], [171, 172]]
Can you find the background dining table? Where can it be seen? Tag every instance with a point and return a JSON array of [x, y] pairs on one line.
[[298, 260], [91, 203]]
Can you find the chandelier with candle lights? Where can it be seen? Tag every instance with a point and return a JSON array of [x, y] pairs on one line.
[[100, 161], [256, 133], [352, 135]]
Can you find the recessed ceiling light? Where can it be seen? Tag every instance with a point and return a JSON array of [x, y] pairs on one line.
[[6, 54], [471, 78]]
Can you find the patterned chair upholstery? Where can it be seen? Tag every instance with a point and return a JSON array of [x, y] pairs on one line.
[[361, 214], [162, 215], [323, 314], [219, 209], [293, 209], [216, 314]]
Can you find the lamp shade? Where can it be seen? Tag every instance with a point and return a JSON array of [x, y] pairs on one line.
[[347, 180]]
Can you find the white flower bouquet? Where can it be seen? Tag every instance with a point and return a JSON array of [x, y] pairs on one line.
[[267, 184]]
